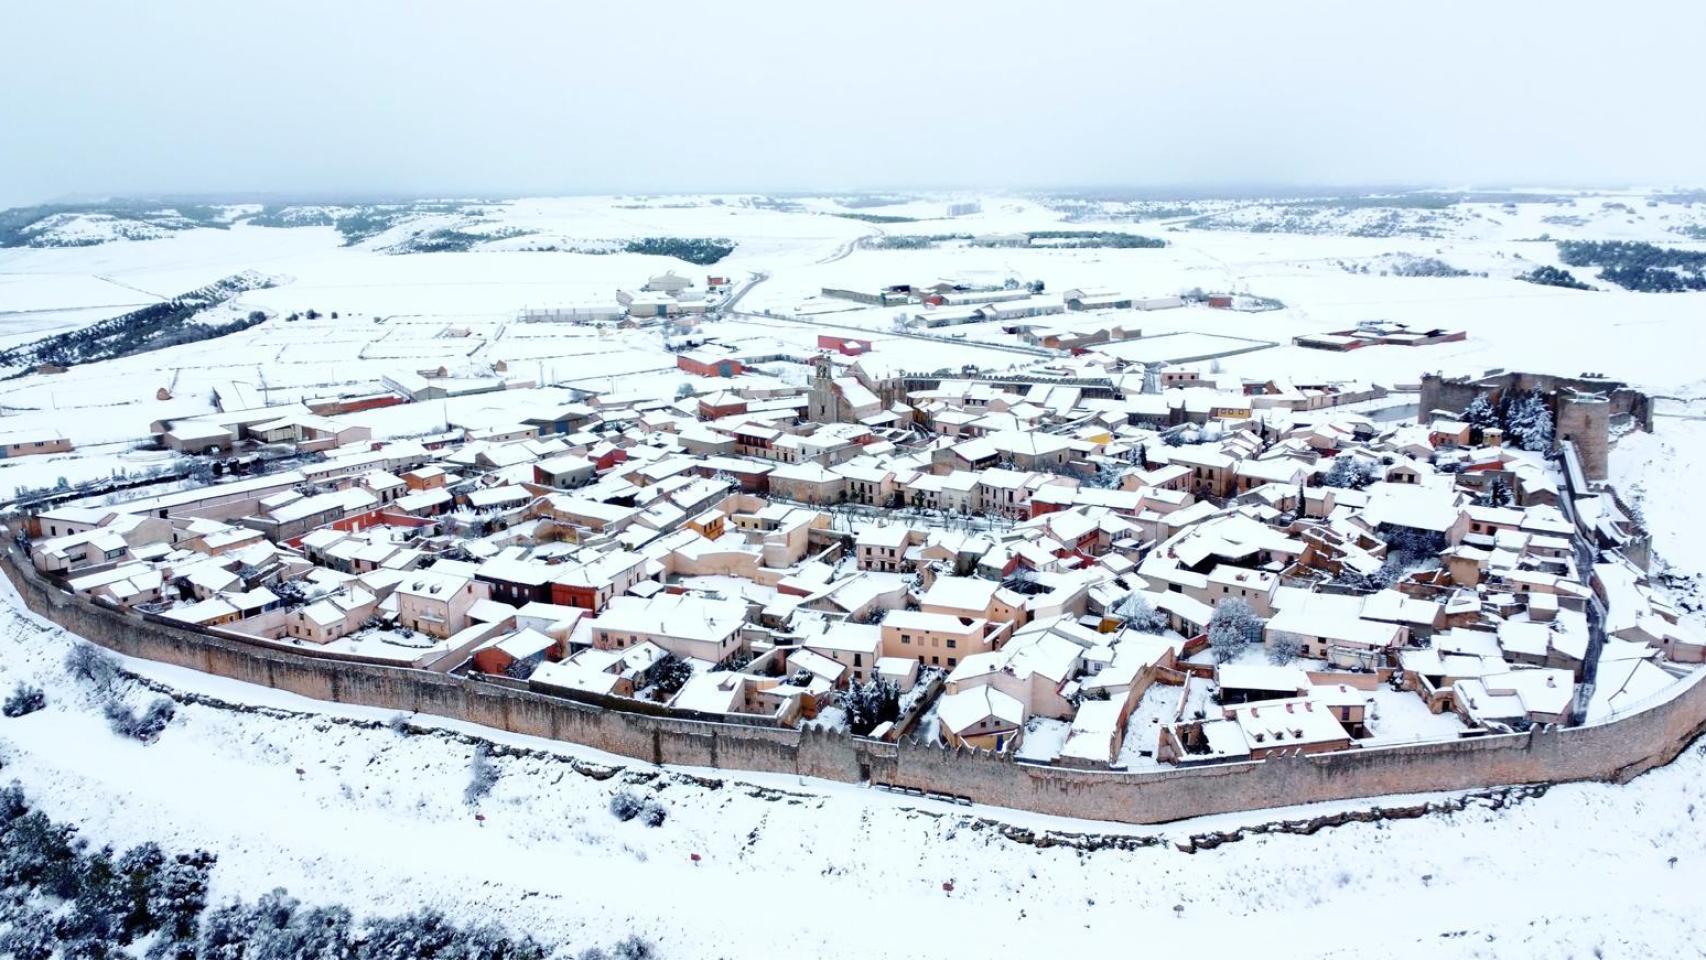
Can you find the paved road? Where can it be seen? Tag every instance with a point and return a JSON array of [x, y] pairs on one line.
[[728, 307], [846, 250]]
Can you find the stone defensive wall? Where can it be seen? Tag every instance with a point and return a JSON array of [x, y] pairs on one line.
[[1583, 408], [1617, 751]]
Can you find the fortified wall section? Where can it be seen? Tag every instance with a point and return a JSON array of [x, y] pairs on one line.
[[1582, 407], [1613, 752]]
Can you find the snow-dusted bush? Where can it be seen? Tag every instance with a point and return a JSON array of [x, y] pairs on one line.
[[31, 936], [631, 948], [428, 933], [63, 897], [653, 813], [1350, 472], [1233, 627], [24, 699], [92, 665], [482, 775], [1284, 649], [145, 726], [65, 900], [634, 948], [1139, 614], [625, 805]]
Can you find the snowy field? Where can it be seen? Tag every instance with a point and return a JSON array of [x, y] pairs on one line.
[[354, 812], [458, 309]]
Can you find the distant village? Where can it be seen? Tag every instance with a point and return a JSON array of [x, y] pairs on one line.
[[1093, 563]]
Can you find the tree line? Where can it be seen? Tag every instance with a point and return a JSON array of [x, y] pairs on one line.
[[1637, 266], [153, 327]]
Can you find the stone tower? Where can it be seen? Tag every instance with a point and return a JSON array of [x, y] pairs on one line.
[[822, 403], [1585, 419]]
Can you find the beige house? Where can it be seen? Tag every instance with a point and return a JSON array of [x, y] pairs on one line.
[[856, 646], [1031, 449], [961, 597], [982, 717], [808, 483], [935, 639], [688, 626], [328, 619], [1340, 639], [30, 445], [78, 550], [872, 486], [437, 604], [1033, 669], [884, 548]]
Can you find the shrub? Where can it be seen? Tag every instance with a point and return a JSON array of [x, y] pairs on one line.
[[1350, 472], [1548, 276], [482, 775], [32, 936], [145, 726], [152, 327], [653, 813], [634, 948], [428, 933], [62, 899], [1284, 650], [25, 699], [626, 805]]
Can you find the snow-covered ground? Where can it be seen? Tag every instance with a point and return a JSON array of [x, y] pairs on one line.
[[333, 804], [420, 311]]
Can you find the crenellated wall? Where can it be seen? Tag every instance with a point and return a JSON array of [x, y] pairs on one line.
[[1583, 408], [1613, 752]]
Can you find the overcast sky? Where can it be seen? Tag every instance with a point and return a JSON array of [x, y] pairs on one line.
[[506, 97]]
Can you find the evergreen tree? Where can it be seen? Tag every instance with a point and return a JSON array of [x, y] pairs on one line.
[[670, 674], [1498, 494], [1529, 423], [1480, 413], [1349, 472], [870, 704]]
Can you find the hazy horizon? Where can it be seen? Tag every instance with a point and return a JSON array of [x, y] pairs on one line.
[[396, 100], [1157, 192]]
